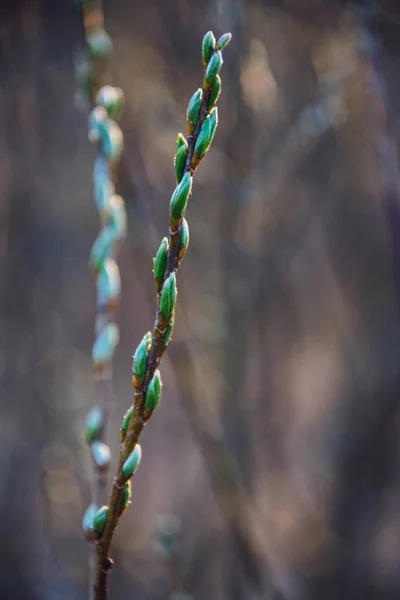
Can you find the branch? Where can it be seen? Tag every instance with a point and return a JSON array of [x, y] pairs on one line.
[[202, 121]]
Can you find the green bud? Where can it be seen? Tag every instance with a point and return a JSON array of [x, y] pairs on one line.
[[153, 393], [94, 424], [99, 45], [180, 141], [193, 110], [132, 463], [168, 297], [117, 217], [112, 99], [112, 138], [160, 264], [103, 190], [168, 332], [108, 284], [126, 498], [105, 344], [180, 162], [139, 365], [208, 47], [87, 522], [125, 424], [101, 248], [215, 92], [183, 239], [179, 200], [206, 134], [213, 68], [97, 117], [99, 521], [101, 455], [224, 41]]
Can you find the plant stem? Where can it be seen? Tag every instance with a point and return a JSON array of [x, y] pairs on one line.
[[137, 421]]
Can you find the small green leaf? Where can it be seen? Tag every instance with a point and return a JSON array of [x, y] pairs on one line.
[[180, 162], [103, 190], [215, 92], [168, 297], [193, 110], [99, 45], [94, 424], [108, 284], [213, 68], [179, 200], [125, 423], [168, 332], [181, 141], [126, 498], [105, 344], [101, 455], [87, 522], [183, 239], [160, 264], [206, 134], [97, 117], [99, 521], [139, 365], [117, 217], [224, 41], [153, 393], [132, 463], [112, 99], [112, 138], [101, 248], [208, 46]]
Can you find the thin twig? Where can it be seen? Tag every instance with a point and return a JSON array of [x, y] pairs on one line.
[[139, 415]]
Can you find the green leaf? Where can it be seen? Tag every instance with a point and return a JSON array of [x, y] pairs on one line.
[[125, 423], [97, 117], [139, 365], [206, 134], [99, 45], [179, 200], [99, 521], [208, 46], [180, 162], [94, 424], [101, 248], [193, 110], [117, 217], [126, 498], [215, 92], [108, 283], [101, 455], [183, 239], [112, 99], [160, 264], [112, 138], [168, 297], [224, 41], [153, 393], [105, 344], [87, 522], [180, 141], [132, 463], [168, 332], [213, 68]]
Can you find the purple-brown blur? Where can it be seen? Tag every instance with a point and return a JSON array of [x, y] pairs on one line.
[[271, 469]]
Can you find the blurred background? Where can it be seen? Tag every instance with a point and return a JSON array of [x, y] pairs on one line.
[[271, 468]]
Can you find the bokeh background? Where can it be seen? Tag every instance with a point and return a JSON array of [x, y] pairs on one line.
[[276, 445]]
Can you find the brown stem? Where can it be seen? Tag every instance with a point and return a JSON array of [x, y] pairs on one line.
[[137, 420]]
